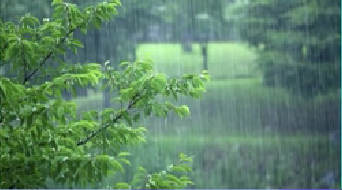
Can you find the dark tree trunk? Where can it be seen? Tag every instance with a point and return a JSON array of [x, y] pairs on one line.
[[205, 57], [134, 52]]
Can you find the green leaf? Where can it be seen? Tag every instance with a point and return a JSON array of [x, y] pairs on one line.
[[125, 161], [77, 43], [121, 154], [103, 157], [122, 186], [181, 169], [116, 165], [124, 63], [159, 82], [182, 111], [54, 2]]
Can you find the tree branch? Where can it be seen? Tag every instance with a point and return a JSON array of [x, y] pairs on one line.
[[134, 100], [49, 55]]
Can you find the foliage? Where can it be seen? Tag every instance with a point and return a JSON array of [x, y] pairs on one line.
[[42, 137], [299, 43], [165, 179]]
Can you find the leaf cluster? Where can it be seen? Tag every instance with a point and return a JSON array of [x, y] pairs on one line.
[[43, 137]]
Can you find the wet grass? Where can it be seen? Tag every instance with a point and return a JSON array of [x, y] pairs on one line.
[[243, 162], [224, 156], [229, 158], [225, 60], [224, 132], [249, 139]]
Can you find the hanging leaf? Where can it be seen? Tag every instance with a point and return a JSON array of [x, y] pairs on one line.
[[55, 2]]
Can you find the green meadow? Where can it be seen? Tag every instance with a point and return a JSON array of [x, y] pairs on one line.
[[225, 59], [242, 134]]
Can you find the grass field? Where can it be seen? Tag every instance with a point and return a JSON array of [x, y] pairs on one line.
[[224, 59], [232, 103], [226, 158], [235, 162]]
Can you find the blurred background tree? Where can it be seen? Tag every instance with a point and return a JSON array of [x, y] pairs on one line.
[[299, 43]]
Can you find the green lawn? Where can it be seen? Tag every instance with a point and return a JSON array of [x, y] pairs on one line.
[[234, 162], [249, 139], [230, 106], [226, 158], [224, 59]]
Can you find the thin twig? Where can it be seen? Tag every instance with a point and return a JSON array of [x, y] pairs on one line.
[[25, 62], [49, 55], [134, 100]]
